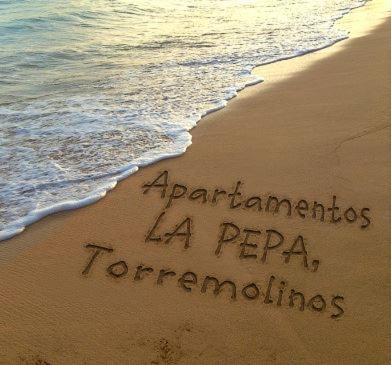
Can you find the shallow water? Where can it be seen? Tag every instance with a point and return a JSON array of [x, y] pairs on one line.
[[90, 90]]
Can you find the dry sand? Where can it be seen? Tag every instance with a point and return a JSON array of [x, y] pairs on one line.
[[308, 135]]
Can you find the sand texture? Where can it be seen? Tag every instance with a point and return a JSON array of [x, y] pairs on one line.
[[132, 278]]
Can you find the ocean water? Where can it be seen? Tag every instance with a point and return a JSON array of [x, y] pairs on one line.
[[90, 90]]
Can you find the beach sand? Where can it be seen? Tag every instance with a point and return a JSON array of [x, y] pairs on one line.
[[318, 127]]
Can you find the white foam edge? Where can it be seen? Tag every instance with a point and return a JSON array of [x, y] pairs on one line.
[[35, 215]]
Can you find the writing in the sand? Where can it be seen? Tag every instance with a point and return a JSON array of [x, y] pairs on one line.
[[249, 240], [271, 204], [254, 244], [276, 292]]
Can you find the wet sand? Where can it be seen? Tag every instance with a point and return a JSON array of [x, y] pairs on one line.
[[119, 282]]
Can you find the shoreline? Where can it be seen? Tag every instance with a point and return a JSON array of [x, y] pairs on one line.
[[123, 280], [35, 216]]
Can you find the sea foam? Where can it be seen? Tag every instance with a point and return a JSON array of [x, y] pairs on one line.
[[91, 91]]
